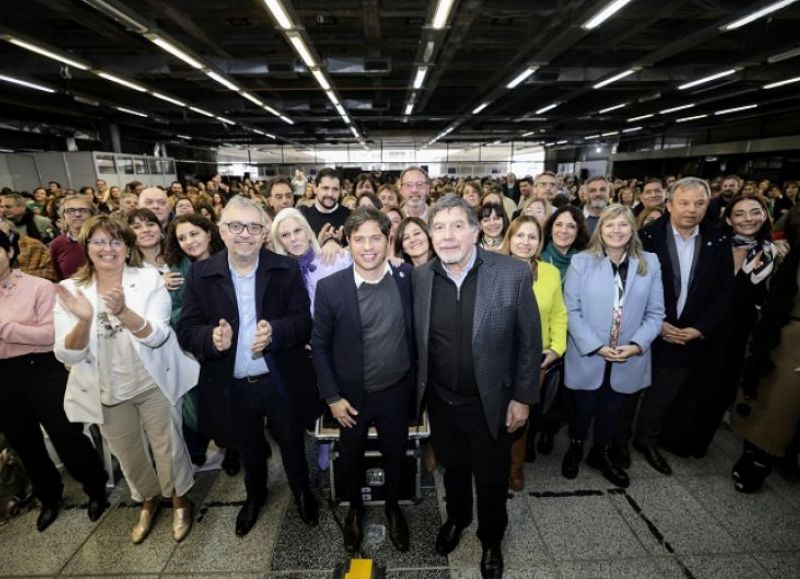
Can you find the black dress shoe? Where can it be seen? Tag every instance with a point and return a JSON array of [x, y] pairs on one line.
[[398, 527], [448, 537], [231, 463], [248, 515], [307, 507], [48, 514], [545, 444], [621, 454], [492, 562], [600, 458], [572, 459], [654, 458], [353, 529], [96, 507]]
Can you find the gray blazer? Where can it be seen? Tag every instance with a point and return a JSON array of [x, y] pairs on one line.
[[506, 334]]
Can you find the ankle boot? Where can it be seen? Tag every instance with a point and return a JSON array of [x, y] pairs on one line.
[[572, 459], [600, 458]]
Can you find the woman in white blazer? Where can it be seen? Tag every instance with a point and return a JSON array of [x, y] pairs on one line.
[[127, 372], [614, 296]]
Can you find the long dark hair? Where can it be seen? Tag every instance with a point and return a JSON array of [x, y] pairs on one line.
[[401, 230], [486, 210], [763, 234], [774, 315], [581, 238], [174, 254]]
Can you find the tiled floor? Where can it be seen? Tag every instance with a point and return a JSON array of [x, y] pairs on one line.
[[692, 524]]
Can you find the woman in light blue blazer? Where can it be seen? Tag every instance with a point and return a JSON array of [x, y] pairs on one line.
[[614, 296]]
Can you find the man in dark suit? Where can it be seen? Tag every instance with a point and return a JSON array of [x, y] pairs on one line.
[[697, 274], [479, 341], [362, 346], [246, 318]]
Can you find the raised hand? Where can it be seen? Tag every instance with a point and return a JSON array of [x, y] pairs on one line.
[[114, 300], [222, 336], [76, 304]]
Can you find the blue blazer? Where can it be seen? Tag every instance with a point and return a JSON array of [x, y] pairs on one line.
[[588, 294], [336, 338]]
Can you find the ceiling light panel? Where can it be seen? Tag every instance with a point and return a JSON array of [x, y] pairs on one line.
[[674, 109], [640, 118], [419, 78], [687, 119], [175, 51], [549, 107], [517, 80], [122, 81], [201, 112], [48, 53], [614, 78], [614, 108], [442, 14], [278, 12], [706, 79], [25, 83], [131, 112], [222, 80], [168, 98], [735, 110], [300, 47], [479, 108], [604, 14], [321, 80], [782, 82], [753, 16]]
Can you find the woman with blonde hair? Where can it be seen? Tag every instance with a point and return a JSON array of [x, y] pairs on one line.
[[127, 372], [524, 240], [615, 300]]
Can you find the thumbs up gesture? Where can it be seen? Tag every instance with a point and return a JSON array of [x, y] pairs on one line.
[[222, 336], [263, 336]]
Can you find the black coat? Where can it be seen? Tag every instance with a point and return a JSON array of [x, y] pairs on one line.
[[711, 290], [336, 338], [282, 300]]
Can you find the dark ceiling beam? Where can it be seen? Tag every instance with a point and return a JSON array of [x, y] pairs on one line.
[[185, 23]]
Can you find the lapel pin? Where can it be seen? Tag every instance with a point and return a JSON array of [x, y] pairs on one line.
[[402, 274]]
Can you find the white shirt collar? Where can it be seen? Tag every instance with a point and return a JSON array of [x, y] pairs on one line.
[[695, 232], [359, 280]]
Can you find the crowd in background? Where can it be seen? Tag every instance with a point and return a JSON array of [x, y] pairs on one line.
[[666, 306]]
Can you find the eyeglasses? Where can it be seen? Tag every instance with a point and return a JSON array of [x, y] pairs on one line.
[[414, 185], [237, 227], [77, 211], [112, 243]]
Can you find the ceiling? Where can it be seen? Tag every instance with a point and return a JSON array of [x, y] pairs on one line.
[[371, 51]]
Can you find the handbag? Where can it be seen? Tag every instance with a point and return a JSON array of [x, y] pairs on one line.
[[15, 487], [551, 409]]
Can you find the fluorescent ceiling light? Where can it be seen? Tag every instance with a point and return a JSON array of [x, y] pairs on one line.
[[639, 118], [121, 81], [782, 82], [346, 119], [25, 83], [687, 119], [706, 79], [786, 55], [47, 53], [271, 111], [251, 98], [590, 137], [442, 14], [409, 108], [521, 77], [632, 129], [528, 134], [131, 112], [609, 134], [286, 119], [279, 13], [225, 120], [222, 80], [185, 137], [420, 76], [175, 51], [321, 80], [480, 107], [757, 14], [614, 108], [332, 97], [562, 142], [543, 110], [340, 109], [549, 144], [606, 13], [673, 109], [614, 78], [355, 132], [301, 48], [117, 14], [201, 111], [167, 98], [735, 110]]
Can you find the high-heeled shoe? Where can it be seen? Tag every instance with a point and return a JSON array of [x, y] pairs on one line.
[[181, 518], [147, 516]]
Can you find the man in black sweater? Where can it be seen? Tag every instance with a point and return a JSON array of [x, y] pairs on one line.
[[326, 217]]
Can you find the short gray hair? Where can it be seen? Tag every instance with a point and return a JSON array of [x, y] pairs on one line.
[[243, 203], [453, 201], [689, 183], [76, 197]]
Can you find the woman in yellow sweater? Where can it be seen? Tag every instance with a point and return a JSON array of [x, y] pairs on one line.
[[523, 240]]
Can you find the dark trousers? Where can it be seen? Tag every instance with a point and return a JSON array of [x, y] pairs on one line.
[[466, 449], [386, 410], [251, 402], [32, 393], [657, 401], [604, 405]]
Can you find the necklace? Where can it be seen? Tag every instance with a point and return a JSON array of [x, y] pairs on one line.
[[10, 282]]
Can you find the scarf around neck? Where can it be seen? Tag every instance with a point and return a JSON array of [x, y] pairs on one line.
[[306, 262], [760, 259]]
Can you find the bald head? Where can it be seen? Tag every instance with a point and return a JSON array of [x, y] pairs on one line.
[[155, 200]]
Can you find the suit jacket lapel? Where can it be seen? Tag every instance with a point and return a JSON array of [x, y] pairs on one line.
[[350, 296], [487, 276], [262, 282]]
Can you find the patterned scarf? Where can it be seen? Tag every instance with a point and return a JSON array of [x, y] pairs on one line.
[[760, 259], [306, 262]]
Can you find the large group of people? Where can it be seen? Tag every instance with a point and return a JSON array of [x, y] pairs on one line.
[[638, 313]]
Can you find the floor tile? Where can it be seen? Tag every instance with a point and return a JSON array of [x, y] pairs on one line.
[[110, 547], [780, 565], [758, 521], [621, 569], [662, 512], [724, 567], [587, 527]]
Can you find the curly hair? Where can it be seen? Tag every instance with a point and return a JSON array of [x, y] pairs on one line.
[[174, 254]]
